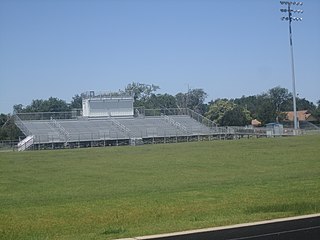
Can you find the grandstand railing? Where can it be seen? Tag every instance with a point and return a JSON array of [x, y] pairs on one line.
[[25, 143], [308, 126], [206, 121], [8, 145], [48, 115], [60, 129], [176, 111], [120, 126], [140, 111], [20, 125], [175, 123], [162, 111], [106, 94]]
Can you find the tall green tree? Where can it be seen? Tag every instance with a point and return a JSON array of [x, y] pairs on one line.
[[279, 96], [141, 91], [266, 112], [218, 108], [302, 104], [193, 99], [316, 112], [251, 103], [3, 119], [270, 106], [227, 113], [161, 101], [236, 116], [8, 130], [38, 105], [76, 101], [18, 108]]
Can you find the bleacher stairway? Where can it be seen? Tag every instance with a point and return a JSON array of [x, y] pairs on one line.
[[25, 143]]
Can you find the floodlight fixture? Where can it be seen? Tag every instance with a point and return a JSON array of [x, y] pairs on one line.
[[291, 18], [297, 11], [291, 3]]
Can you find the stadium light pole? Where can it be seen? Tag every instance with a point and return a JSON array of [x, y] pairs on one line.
[[290, 18]]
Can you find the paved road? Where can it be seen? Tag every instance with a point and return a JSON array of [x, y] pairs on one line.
[[297, 228]]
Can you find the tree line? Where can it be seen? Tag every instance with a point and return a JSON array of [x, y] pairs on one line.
[[265, 107]]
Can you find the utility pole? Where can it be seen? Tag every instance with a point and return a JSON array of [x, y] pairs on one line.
[[290, 18]]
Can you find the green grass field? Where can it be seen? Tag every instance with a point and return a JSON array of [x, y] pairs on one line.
[[107, 193]]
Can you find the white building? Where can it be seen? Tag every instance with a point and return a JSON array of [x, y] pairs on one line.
[[107, 104]]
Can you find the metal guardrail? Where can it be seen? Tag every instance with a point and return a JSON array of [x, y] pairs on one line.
[[25, 143], [175, 123], [21, 126], [205, 121], [120, 126], [176, 111], [48, 115], [106, 94], [8, 145], [61, 130]]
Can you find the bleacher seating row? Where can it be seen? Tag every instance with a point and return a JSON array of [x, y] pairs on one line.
[[93, 129]]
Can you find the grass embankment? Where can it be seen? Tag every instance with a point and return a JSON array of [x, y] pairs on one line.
[[106, 193]]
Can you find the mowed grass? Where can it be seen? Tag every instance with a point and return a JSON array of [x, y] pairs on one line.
[[107, 193]]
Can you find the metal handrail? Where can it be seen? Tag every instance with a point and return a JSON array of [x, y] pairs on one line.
[[20, 124]]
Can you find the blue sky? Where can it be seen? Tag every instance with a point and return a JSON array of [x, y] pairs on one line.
[[229, 48]]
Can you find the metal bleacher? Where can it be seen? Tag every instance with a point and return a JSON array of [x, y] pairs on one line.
[[192, 125], [59, 130], [81, 130], [150, 127], [42, 130], [107, 128], [97, 129]]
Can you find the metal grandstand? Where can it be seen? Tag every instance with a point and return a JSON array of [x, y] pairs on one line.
[[58, 130], [54, 130], [111, 120]]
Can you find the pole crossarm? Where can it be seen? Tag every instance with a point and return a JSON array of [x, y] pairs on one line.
[[291, 3]]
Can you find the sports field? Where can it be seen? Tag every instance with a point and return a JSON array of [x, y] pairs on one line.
[[107, 193]]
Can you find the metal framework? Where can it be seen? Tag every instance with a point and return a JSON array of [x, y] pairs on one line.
[[291, 18]]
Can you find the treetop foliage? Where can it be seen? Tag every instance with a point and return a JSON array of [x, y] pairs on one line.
[[141, 91], [39, 105], [228, 113]]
